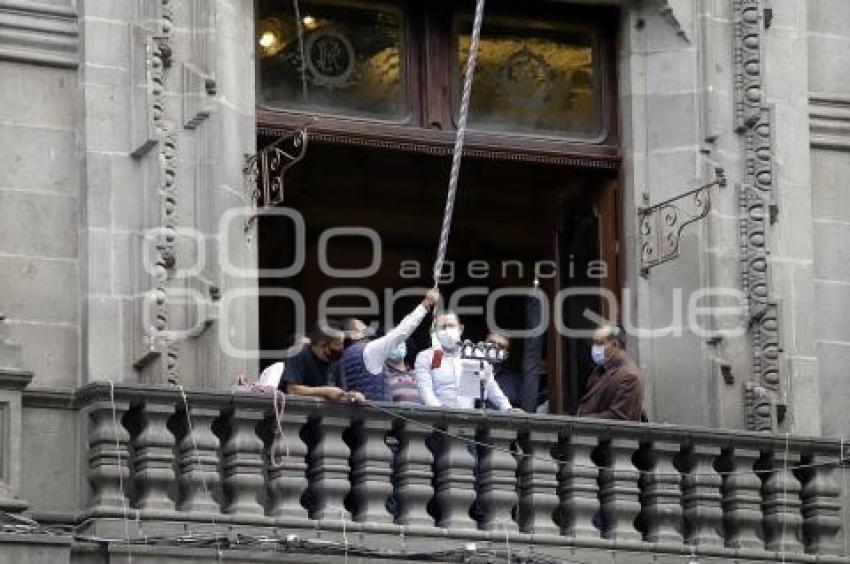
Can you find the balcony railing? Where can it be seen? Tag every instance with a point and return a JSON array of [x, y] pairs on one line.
[[550, 484]]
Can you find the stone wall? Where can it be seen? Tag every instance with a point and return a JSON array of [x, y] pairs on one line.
[[40, 190], [123, 129], [677, 115], [829, 115], [168, 118]]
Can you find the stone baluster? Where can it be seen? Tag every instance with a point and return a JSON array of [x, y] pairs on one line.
[[821, 506], [242, 465], [742, 500], [153, 459], [454, 480], [413, 475], [328, 467], [701, 499], [497, 480], [578, 488], [783, 521], [371, 471], [109, 460], [662, 495], [538, 483], [619, 491], [287, 467], [198, 462]]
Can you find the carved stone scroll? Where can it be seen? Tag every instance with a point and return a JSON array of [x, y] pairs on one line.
[[757, 208]]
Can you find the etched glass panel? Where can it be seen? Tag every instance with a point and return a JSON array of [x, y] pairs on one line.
[[353, 59], [531, 77]]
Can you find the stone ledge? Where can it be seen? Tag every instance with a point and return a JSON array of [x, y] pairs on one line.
[[35, 548], [49, 540], [49, 398], [386, 537], [15, 379], [39, 34]]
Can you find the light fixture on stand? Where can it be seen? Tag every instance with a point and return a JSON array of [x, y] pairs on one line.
[[478, 359]]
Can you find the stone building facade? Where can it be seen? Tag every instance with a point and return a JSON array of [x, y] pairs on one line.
[[125, 129]]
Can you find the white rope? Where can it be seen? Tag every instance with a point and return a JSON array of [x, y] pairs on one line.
[[120, 472], [459, 138], [191, 431], [278, 417]]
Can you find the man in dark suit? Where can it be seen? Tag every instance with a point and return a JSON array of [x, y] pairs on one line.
[[614, 389]]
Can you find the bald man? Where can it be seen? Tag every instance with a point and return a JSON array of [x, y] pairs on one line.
[[614, 389]]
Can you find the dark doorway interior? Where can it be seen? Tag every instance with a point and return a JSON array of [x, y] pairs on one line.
[[509, 216]]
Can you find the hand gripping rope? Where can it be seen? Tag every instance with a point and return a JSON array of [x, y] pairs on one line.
[[459, 138]]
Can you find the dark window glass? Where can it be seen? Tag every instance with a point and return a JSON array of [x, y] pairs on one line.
[[531, 77], [353, 59]]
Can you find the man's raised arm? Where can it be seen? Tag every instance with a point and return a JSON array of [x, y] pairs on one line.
[[375, 352]]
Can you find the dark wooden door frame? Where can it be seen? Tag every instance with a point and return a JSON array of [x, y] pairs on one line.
[[427, 130]]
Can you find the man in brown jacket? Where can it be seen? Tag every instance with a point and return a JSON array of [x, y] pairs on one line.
[[614, 389]]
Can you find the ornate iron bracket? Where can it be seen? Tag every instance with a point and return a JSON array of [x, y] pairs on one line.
[[265, 171], [661, 224]]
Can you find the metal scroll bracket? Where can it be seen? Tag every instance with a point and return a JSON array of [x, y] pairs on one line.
[[265, 171], [661, 224]]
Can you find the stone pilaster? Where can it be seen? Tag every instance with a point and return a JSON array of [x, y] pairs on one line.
[[454, 479], [287, 466], [497, 479], [413, 475], [371, 471], [781, 504], [198, 462], [821, 506], [742, 515], [538, 483], [618, 489], [662, 496], [153, 460], [578, 487], [701, 499], [109, 460], [328, 467], [242, 462]]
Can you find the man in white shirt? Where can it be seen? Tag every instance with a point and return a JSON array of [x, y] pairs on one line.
[[439, 370]]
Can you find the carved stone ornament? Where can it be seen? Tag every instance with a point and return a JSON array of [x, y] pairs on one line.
[[756, 200]]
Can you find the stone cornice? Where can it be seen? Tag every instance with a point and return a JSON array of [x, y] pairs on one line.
[[14, 379], [49, 398], [40, 34], [829, 122]]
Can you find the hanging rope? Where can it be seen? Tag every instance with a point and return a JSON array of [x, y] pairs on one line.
[[459, 138], [120, 471]]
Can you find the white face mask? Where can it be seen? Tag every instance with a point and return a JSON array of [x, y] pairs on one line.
[[597, 354], [449, 338], [397, 354]]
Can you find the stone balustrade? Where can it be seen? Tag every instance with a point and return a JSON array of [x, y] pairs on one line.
[[404, 472]]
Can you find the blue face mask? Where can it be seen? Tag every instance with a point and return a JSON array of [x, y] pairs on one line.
[[398, 354], [597, 354]]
